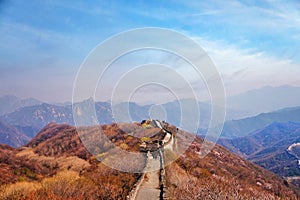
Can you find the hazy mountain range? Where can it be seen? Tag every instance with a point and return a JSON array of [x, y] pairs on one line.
[[243, 127], [11, 135], [275, 147], [270, 139], [265, 99], [10, 103], [249, 103], [28, 116]]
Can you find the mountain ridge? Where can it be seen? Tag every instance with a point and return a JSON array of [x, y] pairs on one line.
[[10, 103], [243, 127], [11, 136], [265, 99]]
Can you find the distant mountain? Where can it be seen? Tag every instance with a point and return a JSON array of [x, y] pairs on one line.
[[84, 112], [11, 136], [242, 127], [172, 112], [11, 103], [129, 111], [32, 118], [29, 120], [55, 163], [265, 99], [185, 110], [274, 147]]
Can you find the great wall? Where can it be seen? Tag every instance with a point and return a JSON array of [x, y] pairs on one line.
[[152, 183]]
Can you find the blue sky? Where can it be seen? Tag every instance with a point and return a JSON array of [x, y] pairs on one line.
[[43, 43]]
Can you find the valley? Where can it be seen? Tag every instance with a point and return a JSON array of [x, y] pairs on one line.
[[274, 147]]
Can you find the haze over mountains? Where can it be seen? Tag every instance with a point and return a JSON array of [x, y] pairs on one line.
[[10, 103], [249, 103], [263, 138], [26, 117], [11, 136], [265, 99], [270, 139], [243, 127]]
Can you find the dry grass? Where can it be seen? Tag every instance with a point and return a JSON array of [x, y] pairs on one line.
[[65, 185], [221, 175], [20, 190]]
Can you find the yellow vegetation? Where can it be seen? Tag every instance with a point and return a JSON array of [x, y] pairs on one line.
[[145, 139], [65, 185]]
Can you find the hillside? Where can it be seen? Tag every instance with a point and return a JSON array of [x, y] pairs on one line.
[[56, 165], [222, 175], [271, 147], [55, 159]]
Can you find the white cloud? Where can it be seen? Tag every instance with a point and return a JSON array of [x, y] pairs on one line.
[[268, 17], [244, 69]]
